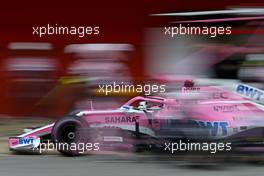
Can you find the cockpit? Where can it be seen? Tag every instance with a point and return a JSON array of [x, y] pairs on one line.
[[144, 105]]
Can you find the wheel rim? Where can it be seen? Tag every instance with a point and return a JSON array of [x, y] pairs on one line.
[[68, 134]]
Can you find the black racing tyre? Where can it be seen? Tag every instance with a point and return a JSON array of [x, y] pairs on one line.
[[74, 112], [67, 132]]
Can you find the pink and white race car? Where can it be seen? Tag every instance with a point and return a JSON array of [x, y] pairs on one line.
[[194, 113]]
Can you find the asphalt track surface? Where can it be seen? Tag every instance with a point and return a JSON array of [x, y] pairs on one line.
[[57, 165]]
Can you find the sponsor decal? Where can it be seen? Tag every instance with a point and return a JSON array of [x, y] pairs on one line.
[[226, 108], [189, 89], [249, 92], [219, 95], [13, 141], [26, 141], [113, 139], [29, 141], [216, 128], [121, 119]]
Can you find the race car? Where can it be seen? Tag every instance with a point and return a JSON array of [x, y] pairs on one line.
[[200, 113], [133, 119]]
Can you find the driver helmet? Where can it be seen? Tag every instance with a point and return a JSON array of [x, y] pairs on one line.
[[142, 105]]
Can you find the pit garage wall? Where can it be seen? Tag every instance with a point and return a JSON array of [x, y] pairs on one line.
[[16, 26], [33, 82]]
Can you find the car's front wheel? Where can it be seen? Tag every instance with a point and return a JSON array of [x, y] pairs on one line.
[[67, 133]]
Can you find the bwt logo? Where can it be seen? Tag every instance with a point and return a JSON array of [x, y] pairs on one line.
[[212, 126], [249, 92], [26, 141]]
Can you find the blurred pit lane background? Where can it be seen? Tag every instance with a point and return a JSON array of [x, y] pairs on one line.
[[52, 75], [41, 79]]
